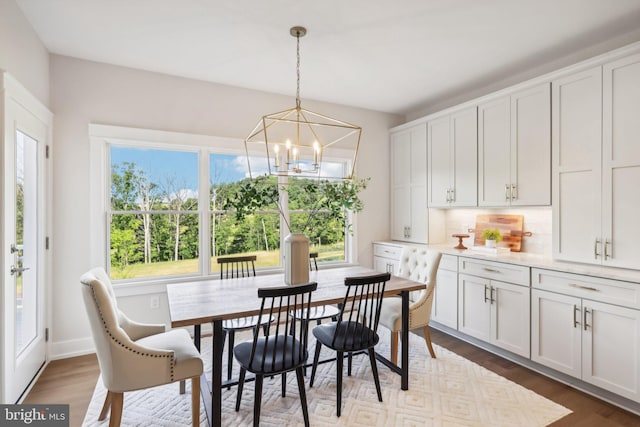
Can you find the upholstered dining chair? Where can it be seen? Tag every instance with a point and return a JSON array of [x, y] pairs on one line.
[[134, 356], [355, 329], [421, 265], [275, 350], [234, 267]]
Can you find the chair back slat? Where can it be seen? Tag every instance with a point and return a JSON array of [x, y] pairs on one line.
[[282, 350], [313, 261], [237, 266], [360, 311]]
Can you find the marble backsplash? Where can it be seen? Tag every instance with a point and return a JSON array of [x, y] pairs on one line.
[[536, 220]]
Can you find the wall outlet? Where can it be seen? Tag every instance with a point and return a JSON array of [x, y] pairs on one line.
[[154, 302]]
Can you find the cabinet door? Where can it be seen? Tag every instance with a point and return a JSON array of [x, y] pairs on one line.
[[610, 348], [464, 173], [474, 310], [439, 161], [418, 227], [400, 185], [494, 141], [531, 147], [445, 299], [555, 331], [510, 307], [621, 162], [576, 145]]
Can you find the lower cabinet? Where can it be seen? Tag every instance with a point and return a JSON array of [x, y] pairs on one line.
[[491, 309], [595, 341], [386, 257], [445, 298]]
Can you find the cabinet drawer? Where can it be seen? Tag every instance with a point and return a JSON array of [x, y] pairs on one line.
[[503, 272], [448, 262], [387, 251], [617, 292]]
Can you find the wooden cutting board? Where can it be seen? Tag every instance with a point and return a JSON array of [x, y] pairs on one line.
[[511, 227]]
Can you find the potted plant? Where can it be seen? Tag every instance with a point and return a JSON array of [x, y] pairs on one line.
[[491, 237], [331, 199]]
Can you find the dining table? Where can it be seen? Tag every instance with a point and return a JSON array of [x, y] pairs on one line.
[[202, 302]]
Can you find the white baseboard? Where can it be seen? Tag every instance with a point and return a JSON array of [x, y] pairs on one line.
[[70, 348]]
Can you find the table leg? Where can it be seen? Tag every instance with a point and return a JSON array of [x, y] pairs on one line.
[[196, 336], [216, 374], [404, 382]]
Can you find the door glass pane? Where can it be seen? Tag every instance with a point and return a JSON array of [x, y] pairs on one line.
[[25, 253]]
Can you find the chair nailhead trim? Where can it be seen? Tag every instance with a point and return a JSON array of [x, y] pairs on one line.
[[117, 341]]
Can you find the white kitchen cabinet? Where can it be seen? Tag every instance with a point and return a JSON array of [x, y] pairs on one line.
[[386, 257], [596, 341], [409, 214], [452, 159], [514, 149], [596, 165], [445, 298], [492, 310]]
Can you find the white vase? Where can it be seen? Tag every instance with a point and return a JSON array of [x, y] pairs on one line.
[[296, 259], [490, 243]]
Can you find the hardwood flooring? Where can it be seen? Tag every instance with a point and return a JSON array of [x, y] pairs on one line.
[[72, 381]]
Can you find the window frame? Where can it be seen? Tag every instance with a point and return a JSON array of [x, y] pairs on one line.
[[102, 137]]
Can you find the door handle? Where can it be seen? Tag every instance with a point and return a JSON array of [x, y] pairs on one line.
[[485, 294], [492, 300], [18, 270], [595, 249], [575, 319], [584, 319]]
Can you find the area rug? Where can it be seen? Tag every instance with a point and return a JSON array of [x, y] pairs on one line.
[[446, 391]]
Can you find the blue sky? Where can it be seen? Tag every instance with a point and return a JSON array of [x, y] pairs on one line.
[[183, 165]]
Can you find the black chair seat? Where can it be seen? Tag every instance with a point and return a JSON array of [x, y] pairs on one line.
[[346, 336], [273, 355]]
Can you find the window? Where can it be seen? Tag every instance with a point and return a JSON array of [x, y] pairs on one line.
[[163, 204]]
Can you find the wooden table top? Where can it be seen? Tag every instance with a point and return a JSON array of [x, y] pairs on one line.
[[195, 303]]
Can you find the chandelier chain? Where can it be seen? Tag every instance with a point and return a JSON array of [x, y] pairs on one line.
[[298, 70]]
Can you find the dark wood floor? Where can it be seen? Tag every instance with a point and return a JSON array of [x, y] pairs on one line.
[[72, 381]]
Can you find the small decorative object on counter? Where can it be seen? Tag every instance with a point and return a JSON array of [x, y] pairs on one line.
[[460, 237], [491, 237]]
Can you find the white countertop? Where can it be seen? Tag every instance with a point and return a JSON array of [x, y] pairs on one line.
[[537, 261]]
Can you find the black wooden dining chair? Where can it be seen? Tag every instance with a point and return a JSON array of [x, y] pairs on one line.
[[356, 327], [273, 350], [236, 267]]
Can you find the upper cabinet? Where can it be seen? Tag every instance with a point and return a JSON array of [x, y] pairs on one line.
[[514, 149], [452, 159], [409, 213], [596, 164]]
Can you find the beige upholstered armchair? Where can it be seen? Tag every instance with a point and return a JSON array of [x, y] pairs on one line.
[[134, 356], [421, 265]]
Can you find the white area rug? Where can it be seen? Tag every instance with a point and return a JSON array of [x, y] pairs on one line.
[[446, 391]]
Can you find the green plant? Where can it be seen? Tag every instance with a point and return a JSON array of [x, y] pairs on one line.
[[333, 199], [492, 234]]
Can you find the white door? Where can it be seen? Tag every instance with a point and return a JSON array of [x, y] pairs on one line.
[[464, 137], [419, 227], [494, 148], [474, 309], [400, 185], [445, 299], [510, 328], [439, 161], [24, 223]]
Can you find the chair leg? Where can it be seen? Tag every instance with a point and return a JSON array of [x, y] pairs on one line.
[[195, 401], [374, 369], [303, 396], [284, 384], [183, 386], [339, 364], [316, 358], [243, 372], [257, 401], [427, 338], [349, 363], [232, 338], [394, 347], [105, 406], [116, 409]]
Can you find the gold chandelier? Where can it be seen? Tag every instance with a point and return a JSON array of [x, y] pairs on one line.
[[301, 143]]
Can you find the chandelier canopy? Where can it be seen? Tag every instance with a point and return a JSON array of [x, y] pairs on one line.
[[302, 143]]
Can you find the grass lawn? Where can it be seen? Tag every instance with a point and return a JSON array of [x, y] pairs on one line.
[[190, 266]]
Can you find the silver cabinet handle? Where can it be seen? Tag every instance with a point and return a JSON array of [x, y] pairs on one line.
[[448, 195], [507, 196], [492, 300], [575, 319], [595, 249], [18, 270], [514, 192], [607, 242], [485, 293], [491, 270], [584, 318], [453, 195], [586, 288]]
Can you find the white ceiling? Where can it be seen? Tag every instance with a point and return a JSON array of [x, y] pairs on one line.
[[391, 56]]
